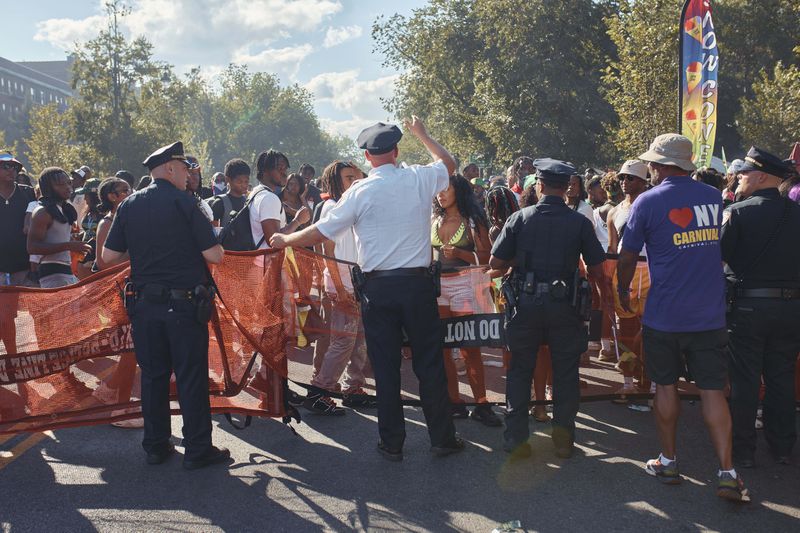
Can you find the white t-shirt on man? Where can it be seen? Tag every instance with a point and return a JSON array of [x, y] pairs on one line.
[[265, 206], [344, 249]]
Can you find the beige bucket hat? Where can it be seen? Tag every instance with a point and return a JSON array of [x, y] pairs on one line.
[[670, 149]]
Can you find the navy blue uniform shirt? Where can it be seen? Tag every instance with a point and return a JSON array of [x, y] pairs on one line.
[[165, 233], [548, 237], [747, 231]]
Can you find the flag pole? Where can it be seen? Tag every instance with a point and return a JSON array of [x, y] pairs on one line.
[[681, 65]]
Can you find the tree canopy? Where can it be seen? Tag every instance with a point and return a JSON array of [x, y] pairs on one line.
[[127, 104]]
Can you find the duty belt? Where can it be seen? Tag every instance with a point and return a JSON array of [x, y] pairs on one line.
[[418, 271], [783, 294], [155, 293]]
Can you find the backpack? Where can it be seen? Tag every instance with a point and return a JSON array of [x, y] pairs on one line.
[[315, 216], [237, 235], [227, 206]]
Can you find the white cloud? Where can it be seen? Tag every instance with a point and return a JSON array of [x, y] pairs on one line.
[[350, 128], [283, 60], [64, 33], [338, 35], [347, 93], [205, 32]]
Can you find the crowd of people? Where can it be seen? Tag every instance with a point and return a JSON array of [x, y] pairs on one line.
[[418, 243]]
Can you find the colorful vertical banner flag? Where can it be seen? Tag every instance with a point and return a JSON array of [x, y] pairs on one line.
[[698, 79]]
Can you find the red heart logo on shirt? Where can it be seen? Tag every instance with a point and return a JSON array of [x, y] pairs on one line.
[[681, 217]]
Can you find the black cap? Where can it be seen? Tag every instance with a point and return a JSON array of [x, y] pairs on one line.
[[164, 154], [380, 138], [554, 170], [763, 161]]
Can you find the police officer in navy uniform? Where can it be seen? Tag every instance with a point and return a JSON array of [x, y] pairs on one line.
[[169, 240], [390, 213], [543, 243], [760, 247]]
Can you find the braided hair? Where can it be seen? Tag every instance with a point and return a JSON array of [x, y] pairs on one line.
[[268, 161], [500, 204], [67, 213], [108, 186], [465, 201]]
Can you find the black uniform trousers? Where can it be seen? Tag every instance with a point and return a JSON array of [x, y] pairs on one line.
[[555, 323], [764, 339], [392, 304], [167, 337]]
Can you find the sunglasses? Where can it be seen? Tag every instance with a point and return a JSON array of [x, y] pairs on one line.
[[8, 166], [628, 177]]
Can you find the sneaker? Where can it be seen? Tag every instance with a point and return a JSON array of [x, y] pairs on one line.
[[730, 488], [294, 399], [607, 356], [322, 405], [459, 410], [359, 398], [483, 413], [668, 475]]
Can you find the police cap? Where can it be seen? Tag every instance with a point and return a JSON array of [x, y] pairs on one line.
[[763, 161], [554, 170], [380, 138], [171, 152]]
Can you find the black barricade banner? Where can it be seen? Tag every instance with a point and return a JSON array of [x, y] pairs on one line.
[[474, 330]]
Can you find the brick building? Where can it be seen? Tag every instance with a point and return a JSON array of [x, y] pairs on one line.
[[34, 82]]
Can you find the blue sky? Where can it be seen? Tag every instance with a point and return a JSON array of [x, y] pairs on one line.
[[324, 45]]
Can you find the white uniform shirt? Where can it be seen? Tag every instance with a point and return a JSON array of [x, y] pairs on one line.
[[345, 249], [265, 206], [390, 212]]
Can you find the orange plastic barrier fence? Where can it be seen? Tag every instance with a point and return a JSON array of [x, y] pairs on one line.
[[67, 354]]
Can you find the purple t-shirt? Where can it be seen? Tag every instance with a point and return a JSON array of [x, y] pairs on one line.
[[679, 221]]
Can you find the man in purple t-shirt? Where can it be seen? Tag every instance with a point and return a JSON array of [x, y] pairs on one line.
[[684, 331]]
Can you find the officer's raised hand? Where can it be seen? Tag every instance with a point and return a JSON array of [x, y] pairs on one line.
[[416, 127]]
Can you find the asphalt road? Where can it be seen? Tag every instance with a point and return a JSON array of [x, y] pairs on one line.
[[329, 477]]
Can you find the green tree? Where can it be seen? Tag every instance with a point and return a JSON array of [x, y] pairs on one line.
[[503, 77], [50, 144], [107, 75], [769, 119], [752, 36], [641, 81]]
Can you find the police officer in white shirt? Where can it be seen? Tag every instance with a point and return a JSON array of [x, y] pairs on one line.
[[390, 213]]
